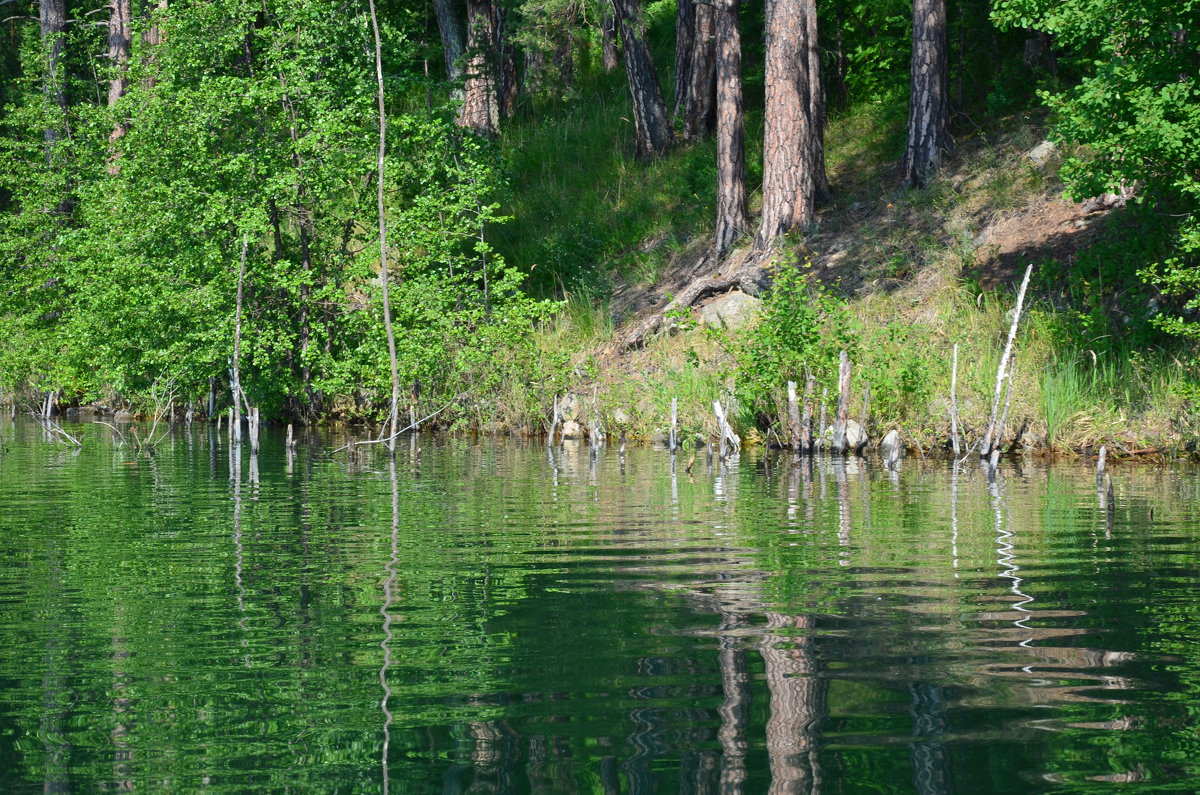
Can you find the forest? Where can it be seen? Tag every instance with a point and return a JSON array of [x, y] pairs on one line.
[[475, 209]]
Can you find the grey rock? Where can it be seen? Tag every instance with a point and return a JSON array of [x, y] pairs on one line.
[[123, 416], [856, 437], [1041, 153], [732, 310], [891, 449], [570, 407], [572, 430], [620, 417]]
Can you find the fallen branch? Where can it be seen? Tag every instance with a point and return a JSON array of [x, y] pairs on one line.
[[389, 439]]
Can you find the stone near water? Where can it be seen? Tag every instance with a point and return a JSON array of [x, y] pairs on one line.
[[891, 449], [572, 430]]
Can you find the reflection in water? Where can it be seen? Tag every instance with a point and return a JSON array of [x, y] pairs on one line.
[[797, 702], [574, 629], [385, 610]]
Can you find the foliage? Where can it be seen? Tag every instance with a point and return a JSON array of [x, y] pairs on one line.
[[1136, 110], [802, 329]]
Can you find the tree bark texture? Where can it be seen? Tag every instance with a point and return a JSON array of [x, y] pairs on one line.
[[699, 117], [652, 130], [789, 187], [929, 101], [480, 110], [732, 216], [816, 105], [120, 23], [608, 38], [52, 15], [451, 33], [508, 86], [685, 32]]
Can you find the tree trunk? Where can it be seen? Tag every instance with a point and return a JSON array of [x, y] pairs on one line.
[[53, 18], [789, 187], [652, 131], [699, 118], [816, 106], [151, 37], [481, 99], [508, 87], [685, 33], [120, 23], [732, 216], [608, 52], [451, 33], [929, 103], [798, 699]]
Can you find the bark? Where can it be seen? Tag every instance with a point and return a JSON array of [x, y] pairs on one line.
[[508, 86], [732, 216], [608, 52], [685, 33], [652, 131], [151, 37], [789, 184], [929, 102], [451, 33], [52, 15], [120, 23], [816, 106], [481, 98], [699, 117]]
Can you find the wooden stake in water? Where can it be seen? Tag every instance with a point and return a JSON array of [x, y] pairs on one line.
[[806, 421], [843, 407], [553, 423], [954, 402], [823, 427], [1002, 373], [674, 423], [862, 419], [793, 418]]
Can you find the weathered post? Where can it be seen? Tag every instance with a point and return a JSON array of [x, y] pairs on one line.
[[843, 407], [806, 421], [1002, 370], [954, 402], [793, 420]]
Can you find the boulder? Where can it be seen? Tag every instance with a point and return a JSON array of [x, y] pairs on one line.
[[620, 417], [891, 449], [1041, 153], [572, 430], [123, 416], [856, 437], [570, 407], [733, 310]]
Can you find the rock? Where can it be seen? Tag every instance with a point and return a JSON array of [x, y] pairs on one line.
[[572, 430], [659, 437], [1041, 153], [570, 407], [856, 437], [620, 417], [732, 310], [123, 416], [891, 449]]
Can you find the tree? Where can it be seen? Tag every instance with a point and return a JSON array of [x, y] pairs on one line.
[[685, 14], [732, 216], [52, 15], [608, 51], [652, 132], [789, 152], [451, 34], [480, 110], [699, 116], [929, 99]]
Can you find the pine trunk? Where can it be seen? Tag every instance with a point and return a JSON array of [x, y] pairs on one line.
[[52, 15], [789, 188], [929, 102], [685, 33], [508, 88], [699, 117], [652, 130], [608, 52], [480, 110], [816, 106], [732, 217], [451, 33]]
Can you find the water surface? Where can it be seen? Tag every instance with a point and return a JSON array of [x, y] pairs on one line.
[[490, 616]]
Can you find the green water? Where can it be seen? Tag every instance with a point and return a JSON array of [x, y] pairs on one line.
[[491, 617]]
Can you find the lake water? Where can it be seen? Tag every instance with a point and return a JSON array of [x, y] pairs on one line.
[[488, 616]]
